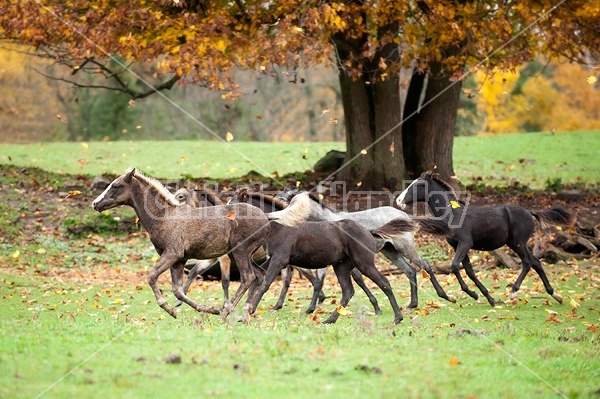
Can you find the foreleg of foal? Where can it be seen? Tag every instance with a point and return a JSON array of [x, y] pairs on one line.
[[471, 273], [310, 276], [317, 290], [163, 263], [342, 271], [274, 267], [199, 268], [357, 276], [460, 253], [286, 278], [177, 281]]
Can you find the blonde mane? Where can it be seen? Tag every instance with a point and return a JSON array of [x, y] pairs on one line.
[[162, 190], [297, 212]]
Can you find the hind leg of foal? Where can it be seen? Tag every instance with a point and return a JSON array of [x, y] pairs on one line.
[[177, 280], [410, 252], [357, 276], [398, 260], [369, 270], [317, 290], [471, 273], [528, 261], [247, 279], [286, 278], [342, 271]]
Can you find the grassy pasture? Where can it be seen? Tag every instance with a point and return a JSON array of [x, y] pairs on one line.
[[530, 159], [65, 335]]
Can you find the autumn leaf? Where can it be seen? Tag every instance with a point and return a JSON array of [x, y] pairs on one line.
[[425, 275], [333, 121], [325, 110], [228, 136], [454, 361], [341, 310], [231, 216], [182, 159], [363, 151], [84, 146], [131, 103], [73, 193], [591, 79], [15, 254]]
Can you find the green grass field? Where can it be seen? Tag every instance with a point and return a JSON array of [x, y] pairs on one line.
[[529, 159], [87, 340]]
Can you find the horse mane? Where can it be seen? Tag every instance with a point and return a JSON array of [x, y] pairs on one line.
[[319, 201], [297, 212], [210, 195], [269, 199], [431, 175], [160, 188]]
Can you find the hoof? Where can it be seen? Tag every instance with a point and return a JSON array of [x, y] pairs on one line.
[[378, 311], [492, 302], [178, 303], [558, 298], [513, 296], [398, 319], [309, 311], [173, 313], [451, 298]]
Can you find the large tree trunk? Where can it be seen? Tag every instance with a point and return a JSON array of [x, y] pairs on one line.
[[373, 116], [429, 135]]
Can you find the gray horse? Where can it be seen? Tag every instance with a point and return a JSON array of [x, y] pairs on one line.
[[180, 232]]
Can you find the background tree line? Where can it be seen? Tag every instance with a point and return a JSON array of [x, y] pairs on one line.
[[535, 97]]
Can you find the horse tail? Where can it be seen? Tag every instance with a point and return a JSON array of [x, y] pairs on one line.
[[436, 227], [393, 228], [389, 232], [554, 217]]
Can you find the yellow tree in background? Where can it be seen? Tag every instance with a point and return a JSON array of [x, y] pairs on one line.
[[495, 100]]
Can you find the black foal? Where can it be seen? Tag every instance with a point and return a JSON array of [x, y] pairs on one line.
[[483, 228]]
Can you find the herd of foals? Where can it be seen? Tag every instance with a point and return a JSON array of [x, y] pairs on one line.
[[297, 229]]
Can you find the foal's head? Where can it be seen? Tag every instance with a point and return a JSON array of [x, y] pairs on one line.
[[117, 193], [120, 191], [425, 188]]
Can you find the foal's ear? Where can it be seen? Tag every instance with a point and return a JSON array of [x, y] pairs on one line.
[[129, 175]]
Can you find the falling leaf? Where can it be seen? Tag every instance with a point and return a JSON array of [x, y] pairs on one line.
[[131, 103], [359, 184], [258, 116], [454, 204], [392, 148], [321, 197], [233, 170], [60, 118], [591, 79], [84, 146], [155, 258], [182, 159], [138, 127], [228, 136], [124, 131], [15, 254], [341, 310], [425, 275], [333, 121], [454, 361], [325, 110], [81, 162], [305, 150], [363, 151], [298, 183]]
